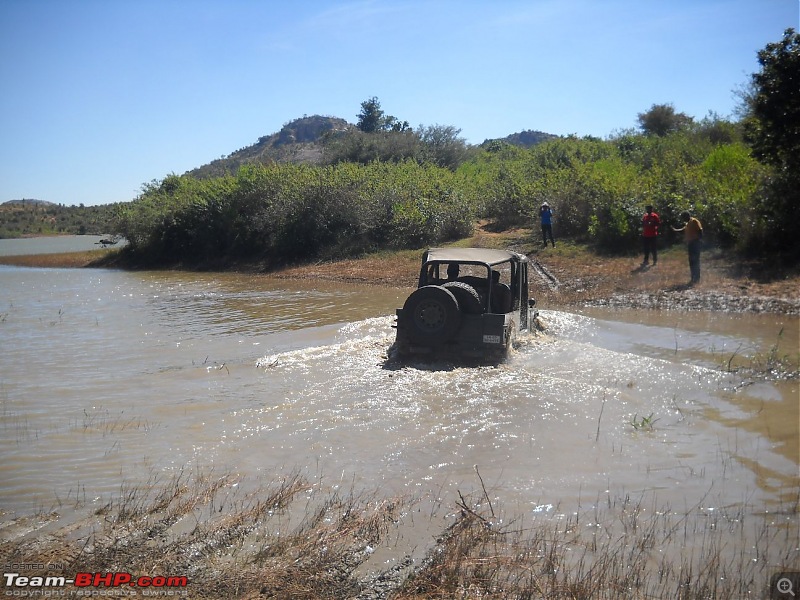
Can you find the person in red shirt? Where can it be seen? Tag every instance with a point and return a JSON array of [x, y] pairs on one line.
[[650, 224]]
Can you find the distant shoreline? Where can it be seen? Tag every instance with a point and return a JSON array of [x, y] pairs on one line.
[[28, 236]]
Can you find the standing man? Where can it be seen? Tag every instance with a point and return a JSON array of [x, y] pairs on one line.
[[692, 235], [650, 224], [546, 216]]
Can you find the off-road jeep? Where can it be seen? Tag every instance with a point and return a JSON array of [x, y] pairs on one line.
[[470, 303]]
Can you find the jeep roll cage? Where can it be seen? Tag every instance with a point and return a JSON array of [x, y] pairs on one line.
[[486, 258]]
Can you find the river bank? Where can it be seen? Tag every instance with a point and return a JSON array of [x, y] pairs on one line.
[[568, 275]]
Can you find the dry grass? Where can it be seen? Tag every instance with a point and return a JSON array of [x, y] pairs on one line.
[[297, 540], [622, 549], [291, 540], [69, 260], [391, 269]]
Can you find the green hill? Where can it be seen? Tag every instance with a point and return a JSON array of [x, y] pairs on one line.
[[39, 217]]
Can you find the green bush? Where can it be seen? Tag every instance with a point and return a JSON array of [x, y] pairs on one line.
[[598, 189], [285, 213]]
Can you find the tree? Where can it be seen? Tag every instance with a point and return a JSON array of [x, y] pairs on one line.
[[772, 127], [372, 119], [773, 124], [442, 145], [662, 119]]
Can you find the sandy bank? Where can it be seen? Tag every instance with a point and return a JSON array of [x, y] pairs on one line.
[[567, 275]]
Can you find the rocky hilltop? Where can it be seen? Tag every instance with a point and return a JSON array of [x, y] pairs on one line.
[[301, 141], [298, 141]]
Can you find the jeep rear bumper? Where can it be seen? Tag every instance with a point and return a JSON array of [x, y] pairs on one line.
[[485, 336]]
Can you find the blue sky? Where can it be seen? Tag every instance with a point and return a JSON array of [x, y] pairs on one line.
[[99, 97]]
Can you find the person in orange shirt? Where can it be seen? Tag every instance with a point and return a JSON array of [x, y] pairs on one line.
[[692, 235]]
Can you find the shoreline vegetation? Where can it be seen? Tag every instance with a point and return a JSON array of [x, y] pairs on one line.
[[571, 274]]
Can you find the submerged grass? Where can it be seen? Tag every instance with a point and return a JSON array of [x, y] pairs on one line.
[[625, 550], [776, 363], [296, 539]]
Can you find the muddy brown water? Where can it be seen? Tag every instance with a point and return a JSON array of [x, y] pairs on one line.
[[110, 377]]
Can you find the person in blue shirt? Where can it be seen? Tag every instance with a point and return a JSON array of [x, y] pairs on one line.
[[546, 216]]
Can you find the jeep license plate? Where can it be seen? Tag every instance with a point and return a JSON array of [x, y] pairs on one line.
[[492, 339]]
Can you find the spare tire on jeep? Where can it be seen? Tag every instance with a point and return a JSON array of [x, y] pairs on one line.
[[432, 314], [469, 301]]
